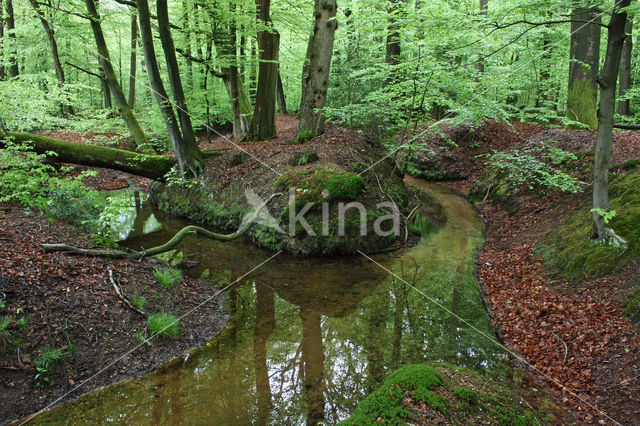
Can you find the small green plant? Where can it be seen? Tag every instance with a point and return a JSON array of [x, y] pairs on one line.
[[47, 360], [138, 301], [533, 166], [304, 158], [304, 136], [164, 324], [606, 215], [167, 277], [466, 394]]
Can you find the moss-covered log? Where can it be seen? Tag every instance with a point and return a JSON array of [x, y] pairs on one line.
[[147, 165]]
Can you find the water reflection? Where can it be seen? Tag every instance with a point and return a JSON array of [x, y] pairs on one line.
[[309, 338]]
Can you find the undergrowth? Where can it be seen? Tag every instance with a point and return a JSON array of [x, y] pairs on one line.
[[570, 251]]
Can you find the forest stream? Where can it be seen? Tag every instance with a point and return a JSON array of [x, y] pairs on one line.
[[309, 338]]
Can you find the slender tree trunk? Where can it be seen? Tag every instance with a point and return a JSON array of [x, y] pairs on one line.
[[3, 72], [263, 124], [484, 9], [583, 69], [106, 92], [134, 60], [189, 143], [281, 98], [136, 131], [315, 72], [625, 69], [607, 82], [11, 28], [393, 46], [48, 29], [187, 162], [186, 23]]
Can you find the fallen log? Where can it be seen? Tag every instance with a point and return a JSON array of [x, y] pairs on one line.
[[174, 241], [146, 165]]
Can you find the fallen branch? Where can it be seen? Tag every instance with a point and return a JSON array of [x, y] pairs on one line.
[[627, 126], [122, 296], [174, 241]]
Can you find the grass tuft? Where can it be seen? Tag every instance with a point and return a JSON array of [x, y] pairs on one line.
[[164, 324]]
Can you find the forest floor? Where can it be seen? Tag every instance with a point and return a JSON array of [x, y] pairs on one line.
[[572, 333], [584, 350], [69, 303]]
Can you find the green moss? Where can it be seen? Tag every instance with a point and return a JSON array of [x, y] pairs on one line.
[[384, 403], [304, 136], [466, 394], [569, 249], [304, 158], [581, 101], [630, 164], [416, 376], [633, 306], [345, 186], [434, 400]]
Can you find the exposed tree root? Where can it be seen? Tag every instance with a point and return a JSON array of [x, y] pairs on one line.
[[174, 241]]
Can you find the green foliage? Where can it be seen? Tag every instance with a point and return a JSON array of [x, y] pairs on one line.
[[431, 398], [164, 324], [533, 166], [415, 376], [632, 309], [304, 136], [138, 301], [466, 394], [167, 277], [630, 164], [47, 360]]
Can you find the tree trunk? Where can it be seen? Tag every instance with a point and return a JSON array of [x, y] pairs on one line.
[[3, 72], [281, 98], [151, 166], [11, 29], [393, 46], [187, 162], [106, 92], [625, 69], [48, 29], [186, 23], [583, 69], [189, 143], [484, 8], [135, 130], [263, 124], [133, 60], [607, 82], [315, 72]]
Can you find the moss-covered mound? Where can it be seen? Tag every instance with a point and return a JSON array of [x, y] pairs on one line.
[[568, 248], [322, 190], [442, 394]]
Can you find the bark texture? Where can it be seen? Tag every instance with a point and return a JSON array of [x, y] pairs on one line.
[[625, 69], [583, 68], [135, 130], [11, 28], [263, 124], [280, 96], [607, 82], [315, 72]]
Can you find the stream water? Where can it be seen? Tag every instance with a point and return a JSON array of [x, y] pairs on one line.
[[308, 338]]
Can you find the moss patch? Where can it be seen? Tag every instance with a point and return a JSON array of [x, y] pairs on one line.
[[453, 395], [582, 104], [569, 250], [303, 158]]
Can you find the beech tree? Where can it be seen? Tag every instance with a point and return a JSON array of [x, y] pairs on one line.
[[263, 125], [189, 158], [583, 68], [111, 80], [607, 81], [57, 65], [316, 69], [625, 69]]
